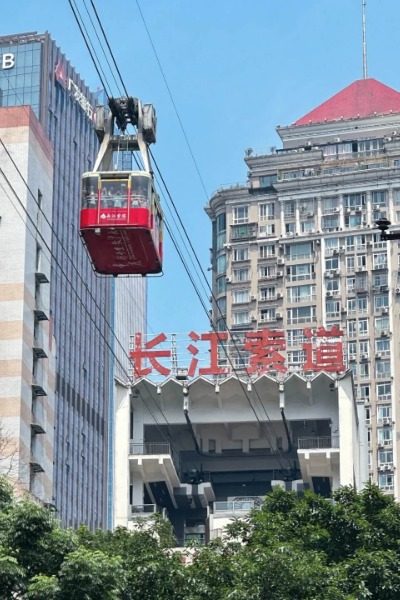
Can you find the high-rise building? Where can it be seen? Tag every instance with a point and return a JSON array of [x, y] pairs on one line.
[[297, 247], [82, 306]]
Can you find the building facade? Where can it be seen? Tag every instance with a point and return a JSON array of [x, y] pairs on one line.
[[297, 248], [202, 453], [27, 345], [34, 72]]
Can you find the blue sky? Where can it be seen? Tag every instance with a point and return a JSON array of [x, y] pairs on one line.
[[236, 69]]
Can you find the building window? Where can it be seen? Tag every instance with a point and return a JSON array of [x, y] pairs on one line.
[[379, 280], [364, 370], [384, 412], [301, 314], [381, 301], [330, 205], [290, 228], [299, 272], [332, 263], [241, 274], [350, 263], [296, 357], [221, 264], [382, 369], [385, 481], [385, 436], [351, 221], [300, 250], [307, 226], [267, 314], [301, 293], [380, 261], [266, 230], [241, 317], [361, 261], [363, 326], [362, 305], [350, 284], [364, 392], [240, 215], [382, 347], [241, 253], [266, 251], [240, 296], [266, 211], [332, 285], [382, 325], [267, 271], [267, 293], [289, 208], [354, 201], [379, 198], [332, 308], [384, 392], [352, 328], [221, 285], [295, 337], [330, 223], [385, 457], [351, 305]]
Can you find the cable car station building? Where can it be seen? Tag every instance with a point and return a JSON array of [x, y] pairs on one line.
[[202, 453]]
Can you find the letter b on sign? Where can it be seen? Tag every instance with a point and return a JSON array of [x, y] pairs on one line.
[[8, 61]]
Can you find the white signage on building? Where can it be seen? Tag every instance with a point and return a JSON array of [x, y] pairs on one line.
[[80, 99], [7, 61]]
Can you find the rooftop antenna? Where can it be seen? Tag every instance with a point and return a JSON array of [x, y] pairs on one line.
[[364, 40]]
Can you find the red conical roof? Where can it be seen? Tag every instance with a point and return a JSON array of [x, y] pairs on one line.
[[362, 98]]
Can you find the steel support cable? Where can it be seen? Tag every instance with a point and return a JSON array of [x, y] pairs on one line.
[[71, 3], [209, 288], [102, 49], [172, 101], [191, 279], [108, 46]]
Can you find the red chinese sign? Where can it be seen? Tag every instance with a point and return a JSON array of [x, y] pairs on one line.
[[256, 352]]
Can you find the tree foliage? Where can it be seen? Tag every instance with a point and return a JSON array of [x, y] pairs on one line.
[[295, 547]]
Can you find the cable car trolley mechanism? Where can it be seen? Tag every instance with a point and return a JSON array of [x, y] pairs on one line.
[[121, 220]]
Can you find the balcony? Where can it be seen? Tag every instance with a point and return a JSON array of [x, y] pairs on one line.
[[236, 507], [142, 511], [154, 462], [316, 443], [319, 457]]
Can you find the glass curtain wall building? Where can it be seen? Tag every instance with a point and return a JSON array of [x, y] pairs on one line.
[[34, 72]]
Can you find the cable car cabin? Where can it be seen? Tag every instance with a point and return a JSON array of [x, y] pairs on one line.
[[121, 222]]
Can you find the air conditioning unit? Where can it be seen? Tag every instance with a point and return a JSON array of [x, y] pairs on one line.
[[343, 310], [253, 320], [336, 251], [369, 243], [397, 291], [385, 310], [280, 261], [253, 298], [342, 249], [336, 209], [364, 356], [228, 246], [229, 280], [279, 273], [278, 316], [348, 211], [387, 442], [388, 467], [336, 271], [378, 355], [279, 296], [384, 333], [387, 420], [329, 294]]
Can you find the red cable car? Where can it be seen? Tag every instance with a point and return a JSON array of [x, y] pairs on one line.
[[121, 220]]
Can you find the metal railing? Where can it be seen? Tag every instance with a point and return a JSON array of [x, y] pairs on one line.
[[142, 511], [315, 443], [234, 506], [149, 448]]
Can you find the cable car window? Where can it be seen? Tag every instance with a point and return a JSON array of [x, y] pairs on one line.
[[89, 192], [140, 192], [114, 193]]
